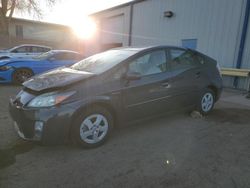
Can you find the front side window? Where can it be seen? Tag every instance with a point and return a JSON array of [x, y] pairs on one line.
[[24, 49], [182, 59], [151, 63]]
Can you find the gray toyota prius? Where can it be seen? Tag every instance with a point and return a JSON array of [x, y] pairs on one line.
[[87, 100]]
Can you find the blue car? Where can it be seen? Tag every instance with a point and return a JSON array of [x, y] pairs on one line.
[[18, 70]]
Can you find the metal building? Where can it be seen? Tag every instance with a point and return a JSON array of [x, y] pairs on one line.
[[218, 28]]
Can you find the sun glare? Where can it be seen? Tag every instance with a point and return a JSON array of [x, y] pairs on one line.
[[84, 28], [74, 14]]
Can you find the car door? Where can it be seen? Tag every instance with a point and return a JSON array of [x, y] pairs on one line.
[[186, 74], [150, 94]]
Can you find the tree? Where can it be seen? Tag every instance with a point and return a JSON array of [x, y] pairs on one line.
[[7, 8]]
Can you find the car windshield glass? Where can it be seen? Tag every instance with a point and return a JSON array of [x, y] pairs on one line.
[[102, 62], [45, 55]]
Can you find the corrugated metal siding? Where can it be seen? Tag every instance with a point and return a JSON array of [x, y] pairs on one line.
[[114, 26], [246, 58], [246, 54], [113, 30], [214, 23]]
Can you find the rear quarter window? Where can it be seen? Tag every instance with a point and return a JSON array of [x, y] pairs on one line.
[[205, 60], [45, 49], [182, 59]]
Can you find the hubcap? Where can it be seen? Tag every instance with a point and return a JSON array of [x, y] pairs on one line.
[[22, 75], [207, 102], [93, 128]]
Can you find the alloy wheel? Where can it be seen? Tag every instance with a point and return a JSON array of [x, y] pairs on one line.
[[94, 128], [207, 102]]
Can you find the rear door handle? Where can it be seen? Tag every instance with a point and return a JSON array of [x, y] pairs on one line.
[[165, 84], [198, 74]]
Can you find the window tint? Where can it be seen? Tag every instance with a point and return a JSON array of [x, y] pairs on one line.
[[24, 49], [152, 63], [35, 49], [182, 59], [44, 49]]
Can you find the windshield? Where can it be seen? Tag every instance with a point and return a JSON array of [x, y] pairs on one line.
[[43, 56], [102, 62]]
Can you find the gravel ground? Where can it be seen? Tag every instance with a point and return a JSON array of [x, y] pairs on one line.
[[173, 151]]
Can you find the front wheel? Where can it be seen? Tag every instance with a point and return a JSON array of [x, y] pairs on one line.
[[206, 102], [93, 127]]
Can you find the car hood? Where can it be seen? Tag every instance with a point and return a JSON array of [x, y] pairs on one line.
[[56, 79]]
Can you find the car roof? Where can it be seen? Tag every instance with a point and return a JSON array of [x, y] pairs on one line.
[[145, 48], [64, 51], [31, 45]]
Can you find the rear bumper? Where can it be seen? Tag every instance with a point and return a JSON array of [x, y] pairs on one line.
[[47, 125]]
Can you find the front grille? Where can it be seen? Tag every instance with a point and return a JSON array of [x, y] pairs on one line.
[[2, 79], [25, 124]]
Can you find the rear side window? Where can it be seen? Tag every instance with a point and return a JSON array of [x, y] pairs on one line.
[[182, 59], [36, 49], [205, 60], [44, 49]]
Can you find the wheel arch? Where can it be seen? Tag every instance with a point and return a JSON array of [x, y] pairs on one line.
[[102, 103], [215, 90], [19, 68]]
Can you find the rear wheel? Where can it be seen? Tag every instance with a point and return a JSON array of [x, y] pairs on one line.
[[93, 127], [21, 75], [206, 102]]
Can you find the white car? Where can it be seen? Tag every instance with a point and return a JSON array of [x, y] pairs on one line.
[[23, 51]]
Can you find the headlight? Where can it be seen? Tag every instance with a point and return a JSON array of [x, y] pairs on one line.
[[4, 68], [49, 99]]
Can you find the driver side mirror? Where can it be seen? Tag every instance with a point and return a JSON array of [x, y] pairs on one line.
[[132, 76]]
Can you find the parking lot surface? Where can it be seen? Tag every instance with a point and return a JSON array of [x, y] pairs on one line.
[[177, 151]]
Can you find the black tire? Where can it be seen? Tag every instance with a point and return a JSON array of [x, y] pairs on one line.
[[208, 95], [79, 124], [21, 75]]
